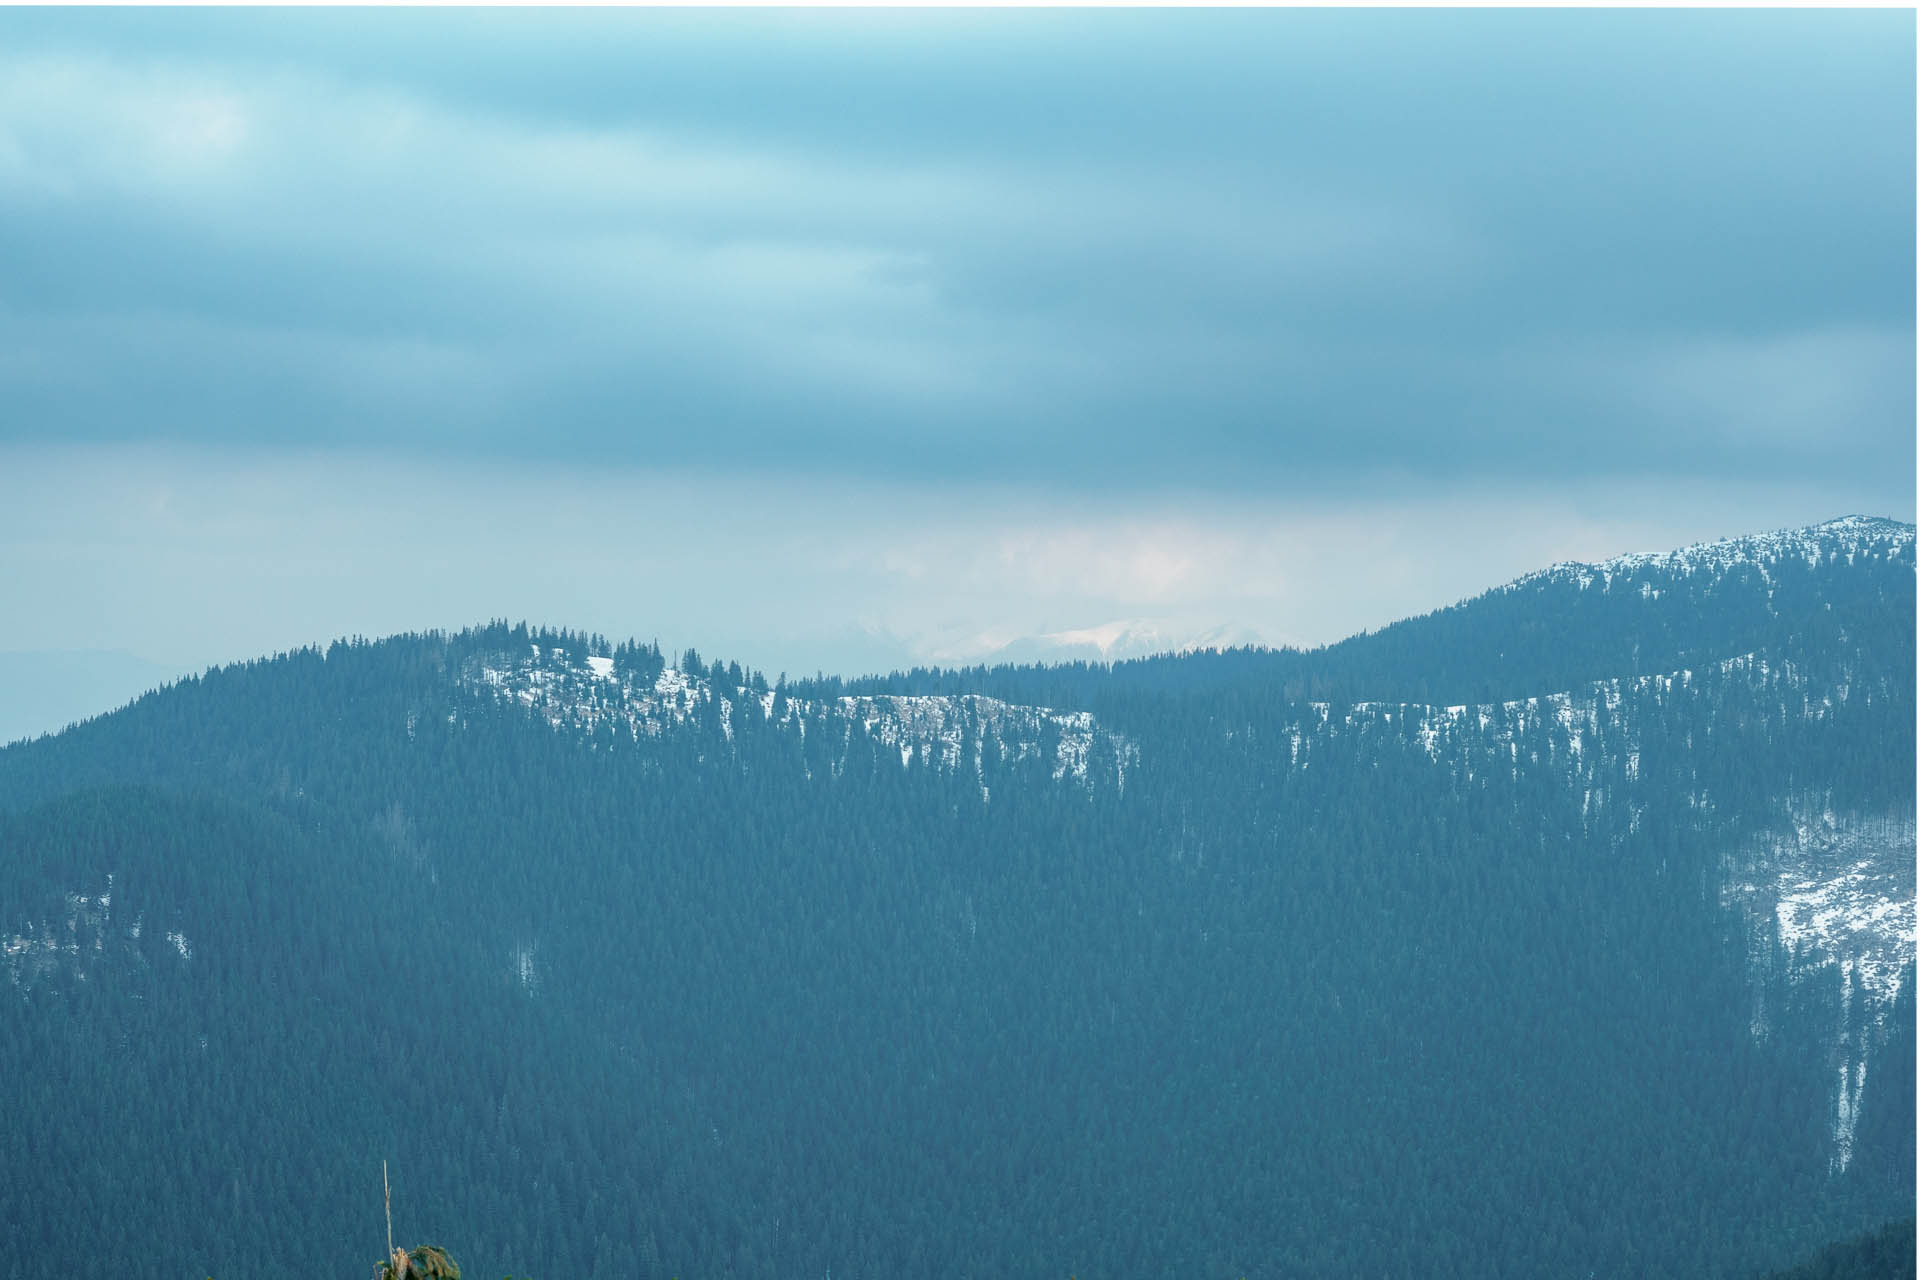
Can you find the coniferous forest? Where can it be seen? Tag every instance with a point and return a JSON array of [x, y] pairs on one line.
[[1886, 1254], [1457, 949]]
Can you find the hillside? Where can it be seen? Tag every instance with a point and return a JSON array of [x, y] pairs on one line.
[[1566, 930]]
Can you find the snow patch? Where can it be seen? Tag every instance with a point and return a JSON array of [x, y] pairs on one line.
[[1837, 890], [1821, 891]]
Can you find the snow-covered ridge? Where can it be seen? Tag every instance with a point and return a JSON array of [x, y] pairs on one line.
[[1589, 737], [589, 695], [938, 727], [586, 693], [1847, 539], [1592, 728]]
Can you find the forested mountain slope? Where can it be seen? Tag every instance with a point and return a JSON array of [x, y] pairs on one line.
[[1569, 930], [1564, 626]]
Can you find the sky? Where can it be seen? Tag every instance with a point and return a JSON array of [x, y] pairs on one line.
[[845, 340]]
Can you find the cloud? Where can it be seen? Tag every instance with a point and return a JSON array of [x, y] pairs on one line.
[[1817, 393], [1282, 252]]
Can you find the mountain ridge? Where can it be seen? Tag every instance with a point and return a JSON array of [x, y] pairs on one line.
[[1848, 535], [642, 965]]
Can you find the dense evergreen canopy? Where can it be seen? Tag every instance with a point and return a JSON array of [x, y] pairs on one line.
[[1886, 1254], [1265, 984]]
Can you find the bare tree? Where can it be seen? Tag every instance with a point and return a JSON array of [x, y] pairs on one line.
[[425, 1262]]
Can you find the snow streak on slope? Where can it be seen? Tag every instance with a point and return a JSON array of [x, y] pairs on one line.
[[588, 694], [1832, 891]]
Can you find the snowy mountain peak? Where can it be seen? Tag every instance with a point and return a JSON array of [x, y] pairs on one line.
[[1123, 638], [1847, 538]]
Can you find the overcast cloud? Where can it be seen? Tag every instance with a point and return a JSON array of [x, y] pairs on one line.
[[1140, 268]]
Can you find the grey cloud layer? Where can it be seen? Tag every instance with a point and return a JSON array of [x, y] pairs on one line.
[[1273, 249]]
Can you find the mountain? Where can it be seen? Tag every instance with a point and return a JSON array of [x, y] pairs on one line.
[[1569, 929], [1123, 639]]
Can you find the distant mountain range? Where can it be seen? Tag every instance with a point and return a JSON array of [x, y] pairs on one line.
[[1567, 930], [1122, 639]]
